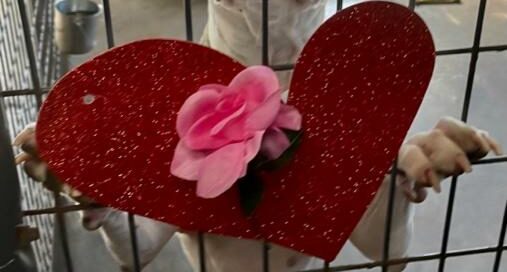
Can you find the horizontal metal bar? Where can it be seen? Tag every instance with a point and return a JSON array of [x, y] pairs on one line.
[[73, 208], [282, 67], [289, 66], [437, 2], [493, 48], [470, 49], [491, 160], [62, 209], [498, 159], [426, 257], [456, 51], [453, 51], [22, 92]]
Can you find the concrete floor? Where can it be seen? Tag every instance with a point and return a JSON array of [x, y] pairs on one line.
[[481, 195]]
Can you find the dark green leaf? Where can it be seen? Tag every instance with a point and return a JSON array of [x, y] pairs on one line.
[[295, 138], [250, 192]]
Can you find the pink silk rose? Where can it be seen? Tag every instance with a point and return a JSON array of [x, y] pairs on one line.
[[222, 128]]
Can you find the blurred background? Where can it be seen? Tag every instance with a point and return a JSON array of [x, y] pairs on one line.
[[480, 196]]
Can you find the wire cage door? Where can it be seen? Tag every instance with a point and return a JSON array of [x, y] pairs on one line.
[[30, 62]]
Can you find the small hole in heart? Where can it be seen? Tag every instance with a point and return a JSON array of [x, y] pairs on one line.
[[88, 99]]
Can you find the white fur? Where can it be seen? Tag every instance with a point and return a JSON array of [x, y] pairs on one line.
[[114, 229]]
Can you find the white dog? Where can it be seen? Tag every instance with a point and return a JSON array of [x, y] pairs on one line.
[[234, 28]]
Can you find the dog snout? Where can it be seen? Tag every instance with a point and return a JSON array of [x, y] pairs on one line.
[[93, 219], [89, 223]]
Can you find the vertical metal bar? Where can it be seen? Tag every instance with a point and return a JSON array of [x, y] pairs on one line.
[[326, 267], [3, 60], [14, 49], [265, 33], [22, 60], [190, 37], [131, 219], [27, 103], [265, 61], [60, 219], [473, 61], [501, 239], [389, 216], [265, 256], [188, 19], [464, 116], [39, 13], [452, 193], [11, 49], [411, 4], [109, 23], [339, 5], [202, 252], [45, 41], [447, 226], [51, 62], [133, 240], [30, 51]]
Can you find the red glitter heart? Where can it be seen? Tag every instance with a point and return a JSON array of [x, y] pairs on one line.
[[108, 128]]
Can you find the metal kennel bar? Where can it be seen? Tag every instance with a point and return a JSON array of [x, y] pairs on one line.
[[131, 219], [464, 117], [29, 44]]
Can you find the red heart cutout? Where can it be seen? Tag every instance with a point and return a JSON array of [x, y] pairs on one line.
[[108, 128]]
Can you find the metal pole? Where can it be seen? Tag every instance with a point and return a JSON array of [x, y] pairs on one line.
[[464, 117]]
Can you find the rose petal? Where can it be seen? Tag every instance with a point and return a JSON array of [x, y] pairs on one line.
[[195, 107], [219, 88], [186, 163], [217, 129], [264, 115], [198, 136], [288, 117], [253, 146], [228, 121], [256, 84], [274, 143], [220, 170]]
